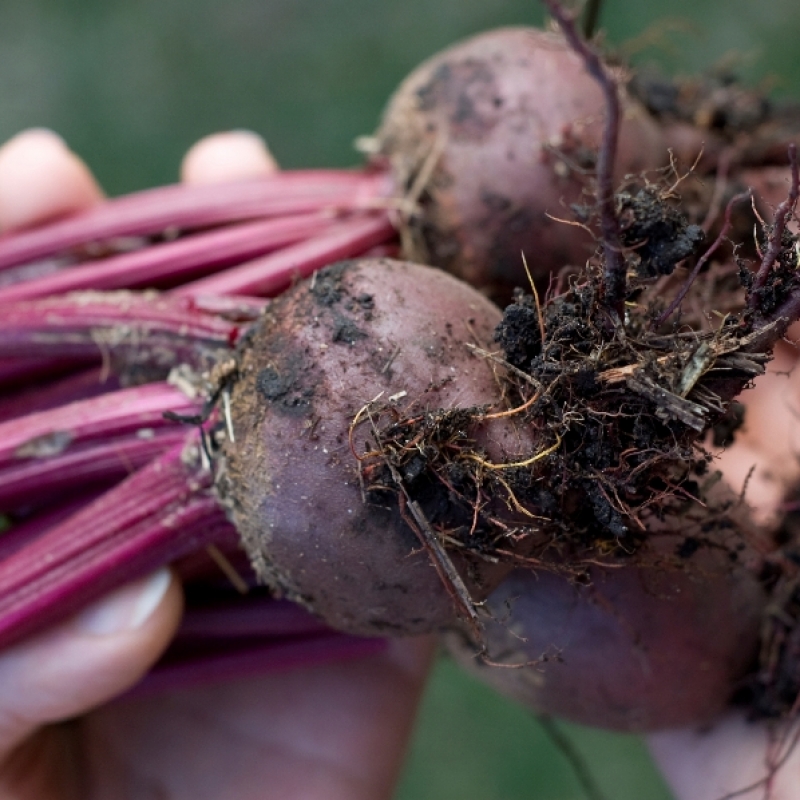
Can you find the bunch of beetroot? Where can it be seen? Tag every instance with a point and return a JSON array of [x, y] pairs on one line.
[[377, 442]]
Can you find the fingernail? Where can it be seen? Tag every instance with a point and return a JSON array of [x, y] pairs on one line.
[[245, 135], [128, 608], [251, 149], [34, 137], [231, 155], [45, 134]]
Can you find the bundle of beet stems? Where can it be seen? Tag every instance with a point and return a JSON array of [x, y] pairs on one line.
[[94, 476], [126, 331], [66, 441]]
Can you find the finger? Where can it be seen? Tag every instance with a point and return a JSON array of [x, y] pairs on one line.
[[763, 459], [41, 179], [233, 155], [87, 660], [727, 759], [332, 732]]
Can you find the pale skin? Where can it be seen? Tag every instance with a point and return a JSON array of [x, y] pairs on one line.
[[337, 731]]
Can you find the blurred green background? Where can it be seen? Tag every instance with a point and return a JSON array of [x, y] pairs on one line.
[[132, 85]]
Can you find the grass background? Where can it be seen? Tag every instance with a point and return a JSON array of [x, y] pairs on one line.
[[132, 85]]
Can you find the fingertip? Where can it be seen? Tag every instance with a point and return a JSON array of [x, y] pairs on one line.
[[227, 156], [139, 605], [733, 757], [42, 179], [88, 660]]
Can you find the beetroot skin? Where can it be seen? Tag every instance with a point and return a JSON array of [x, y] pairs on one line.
[[506, 127], [358, 332], [631, 648]]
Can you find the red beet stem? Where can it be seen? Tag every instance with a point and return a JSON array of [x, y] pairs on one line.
[[32, 527], [48, 433], [15, 372], [161, 513], [171, 327], [180, 208], [103, 462], [782, 216], [40, 396], [167, 509], [84, 323], [614, 266], [253, 659], [173, 262], [271, 274], [234, 308]]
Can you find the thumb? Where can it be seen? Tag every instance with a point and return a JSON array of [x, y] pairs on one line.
[[88, 659], [41, 180]]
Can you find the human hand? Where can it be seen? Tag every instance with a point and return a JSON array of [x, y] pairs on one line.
[[734, 756], [731, 758], [331, 731]]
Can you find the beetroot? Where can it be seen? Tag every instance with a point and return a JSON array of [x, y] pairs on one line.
[[632, 649], [502, 131], [360, 332]]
